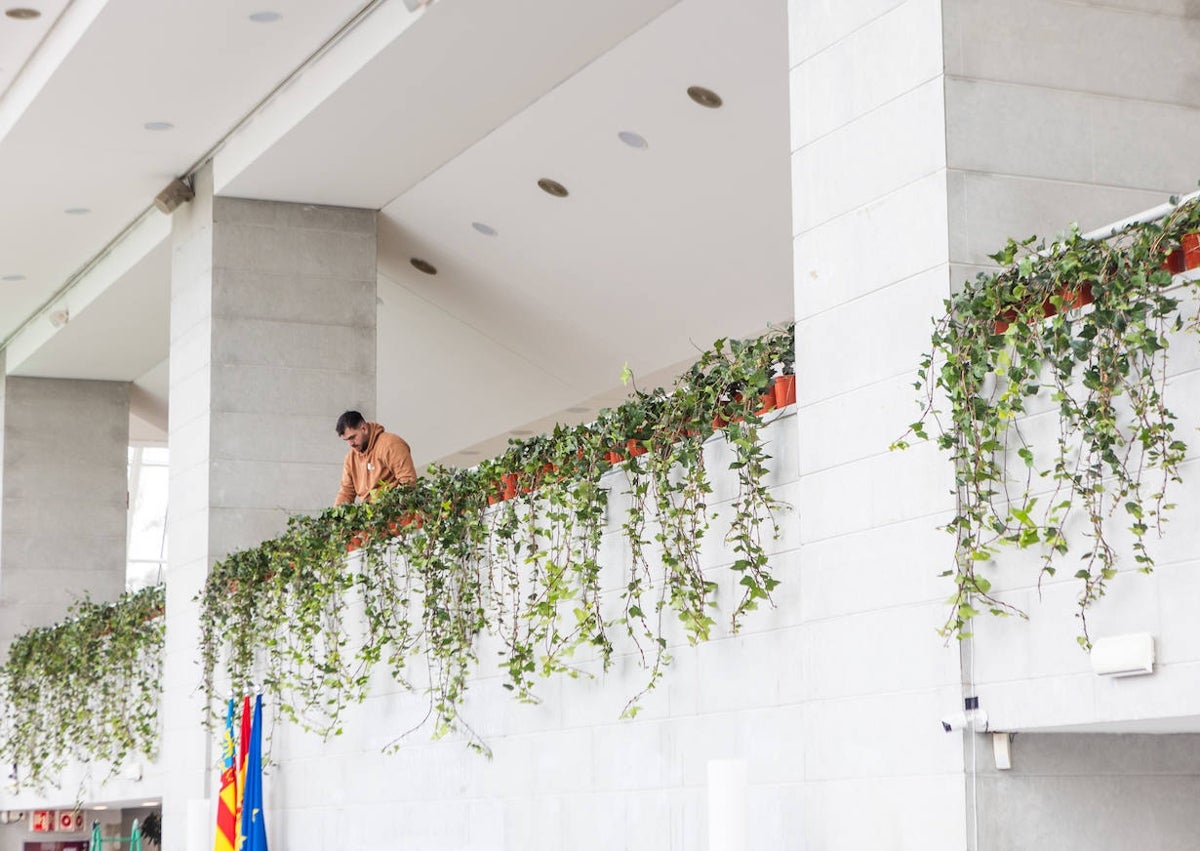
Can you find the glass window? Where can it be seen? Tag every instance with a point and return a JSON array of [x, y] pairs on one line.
[[146, 544]]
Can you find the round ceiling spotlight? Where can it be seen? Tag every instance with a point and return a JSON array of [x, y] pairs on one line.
[[633, 140], [486, 230], [423, 266], [553, 187], [265, 17], [21, 13], [77, 211], [13, 278], [704, 97], [158, 125]]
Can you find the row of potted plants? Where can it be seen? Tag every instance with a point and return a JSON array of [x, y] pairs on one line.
[[781, 394], [1013, 335], [435, 568], [85, 689], [1180, 258]]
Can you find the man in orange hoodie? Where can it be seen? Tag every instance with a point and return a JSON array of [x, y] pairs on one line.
[[375, 458]]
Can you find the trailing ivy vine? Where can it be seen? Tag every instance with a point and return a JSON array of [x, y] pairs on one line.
[[1069, 341], [85, 690], [506, 556]]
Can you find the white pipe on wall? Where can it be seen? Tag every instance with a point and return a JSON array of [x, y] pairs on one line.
[[727, 805]]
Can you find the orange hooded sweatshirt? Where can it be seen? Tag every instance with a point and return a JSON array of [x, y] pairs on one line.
[[387, 460]]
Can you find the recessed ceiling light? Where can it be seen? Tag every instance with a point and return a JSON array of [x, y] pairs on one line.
[[265, 17], [633, 140], [553, 187], [149, 803], [21, 13], [159, 125], [704, 97], [423, 266], [486, 230], [77, 211], [100, 807], [13, 278]]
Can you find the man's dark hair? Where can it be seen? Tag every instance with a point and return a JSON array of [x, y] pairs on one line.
[[350, 419]]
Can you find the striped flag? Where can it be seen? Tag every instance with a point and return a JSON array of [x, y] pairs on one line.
[[227, 801], [243, 745], [254, 829]]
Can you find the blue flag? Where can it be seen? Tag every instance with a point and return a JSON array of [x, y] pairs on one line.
[[254, 829]]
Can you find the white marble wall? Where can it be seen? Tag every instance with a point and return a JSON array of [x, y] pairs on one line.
[[871, 255], [1064, 112], [569, 773]]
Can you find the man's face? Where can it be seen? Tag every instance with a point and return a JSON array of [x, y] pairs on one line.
[[356, 437]]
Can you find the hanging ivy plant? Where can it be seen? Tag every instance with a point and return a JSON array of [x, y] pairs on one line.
[[86, 689], [508, 553], [1078, 331]]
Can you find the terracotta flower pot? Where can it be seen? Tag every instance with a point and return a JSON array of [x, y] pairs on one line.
[[768, 403], [1175, 262], [1190, 243], [634, 447], [1071, 299], [510, 485], [785, 390], [1006, 318], [613, 457]]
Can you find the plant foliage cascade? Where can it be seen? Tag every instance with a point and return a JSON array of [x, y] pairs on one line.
[[1076, 333], [504, 560], [86, 689]]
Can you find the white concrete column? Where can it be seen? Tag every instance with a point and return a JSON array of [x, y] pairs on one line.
[[872, 264], [272, 336], [65, 485], [924, 133], [1053, 117]]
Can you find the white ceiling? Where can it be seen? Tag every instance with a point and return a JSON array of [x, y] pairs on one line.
[[655, 253], [19, 39], [79, 141]]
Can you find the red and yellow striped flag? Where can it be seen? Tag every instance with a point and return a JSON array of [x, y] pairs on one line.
[[227, 801], [243, 750]]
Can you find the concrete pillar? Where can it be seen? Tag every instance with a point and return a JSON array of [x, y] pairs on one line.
[[871, 252], [1052, 117], [272, 336], [65, 485], [924, 133]]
